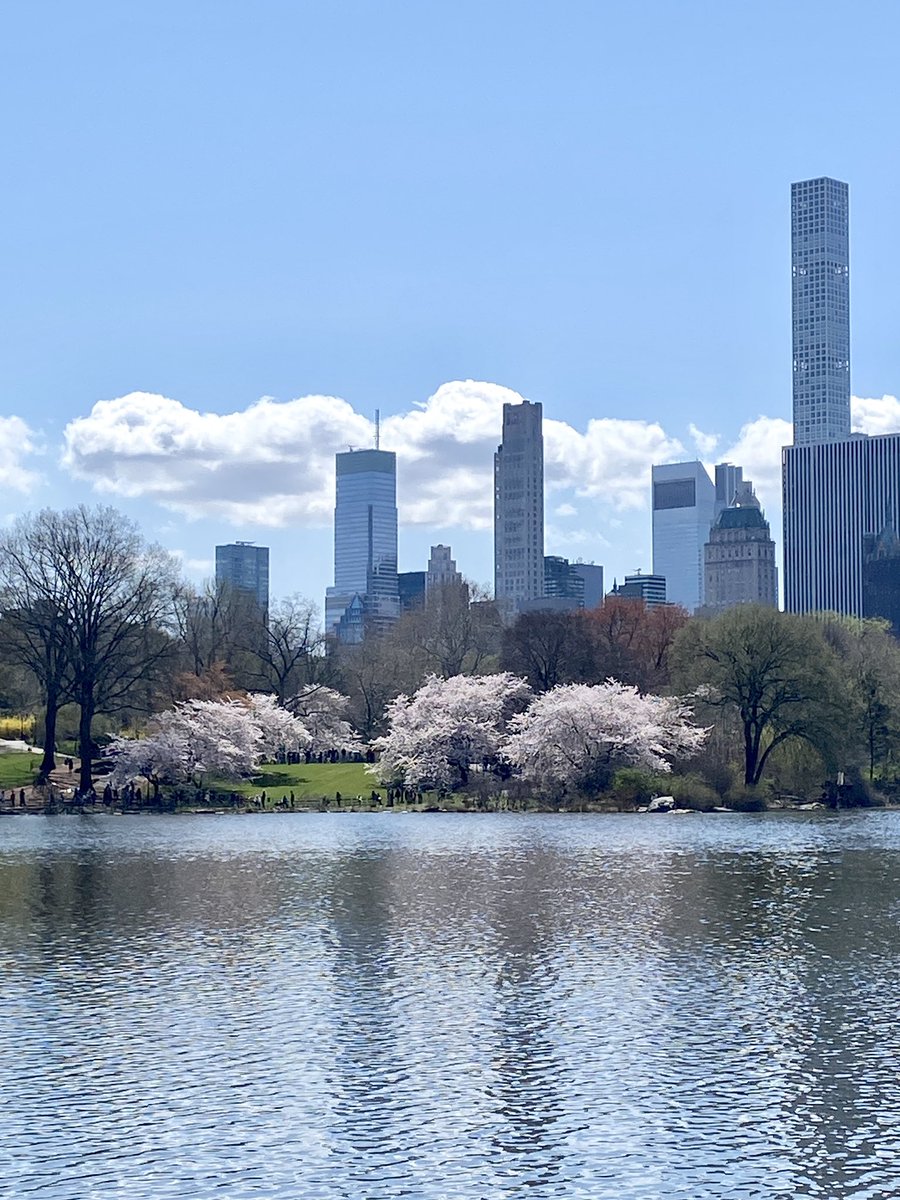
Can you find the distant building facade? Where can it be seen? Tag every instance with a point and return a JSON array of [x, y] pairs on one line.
[[441, 569], [366, 591], [740, 556], [411, 590], [834, 495], [684, 507], [592, 575], [519, 507], [244, 567], [649, 588], [562, 580], [881, 576], [729, 481]]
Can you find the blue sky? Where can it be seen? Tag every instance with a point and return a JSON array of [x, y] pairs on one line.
[[584, 203]]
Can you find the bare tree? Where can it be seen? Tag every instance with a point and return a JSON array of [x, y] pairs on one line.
[[97, 600], [34, 628], [288, 646], [548, 648], [456, 632]]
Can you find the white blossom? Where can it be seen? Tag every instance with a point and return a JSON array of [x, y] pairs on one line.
[[322, 711], [281, 732], [572, 735], [209, 737], [449, 725]]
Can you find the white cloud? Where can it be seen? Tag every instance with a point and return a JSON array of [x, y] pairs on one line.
[[610, 461], [572, 540], [16, 444], [197, 566], [565, 510], [874, 416], [705, 442], [272, 464], [758, 451]]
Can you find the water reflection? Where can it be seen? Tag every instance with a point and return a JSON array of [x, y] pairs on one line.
[[449, 1007]]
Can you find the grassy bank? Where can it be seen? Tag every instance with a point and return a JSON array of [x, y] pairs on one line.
[[18, 770], [308, 781]]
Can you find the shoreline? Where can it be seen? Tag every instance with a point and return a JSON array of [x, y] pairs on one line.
[[105, 813]]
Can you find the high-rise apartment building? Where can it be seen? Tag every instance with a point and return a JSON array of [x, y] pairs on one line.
[[519, 507], [684, 507], [820, 309], [244, 567], [739, 558], [441, 570], [836, 486], [365, 590]]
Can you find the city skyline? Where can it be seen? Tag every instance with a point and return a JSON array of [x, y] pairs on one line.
[[609, 243]]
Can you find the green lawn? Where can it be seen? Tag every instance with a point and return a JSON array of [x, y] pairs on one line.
[[314, 780], [17, 770]]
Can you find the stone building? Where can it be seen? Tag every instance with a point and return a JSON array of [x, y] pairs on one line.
[[739, 558]]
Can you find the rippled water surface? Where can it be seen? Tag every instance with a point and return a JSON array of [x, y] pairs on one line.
[[450, 1006]]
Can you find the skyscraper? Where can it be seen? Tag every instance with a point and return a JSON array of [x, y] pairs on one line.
[[365, 587], [684, 507], [244, 567], [835, 494], [519, 507], [820, 304], [836, 486]]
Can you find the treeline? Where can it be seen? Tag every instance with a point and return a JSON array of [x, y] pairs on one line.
[[99, 631]]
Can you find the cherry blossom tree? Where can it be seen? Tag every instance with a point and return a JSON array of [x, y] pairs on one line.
[[322, 710], [280, 731], [436, 735], [575, 735], [228, 738]]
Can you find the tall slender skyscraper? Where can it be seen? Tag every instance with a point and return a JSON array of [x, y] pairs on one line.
[[365, 590], [820, 303], [519, 507], [836, 486]]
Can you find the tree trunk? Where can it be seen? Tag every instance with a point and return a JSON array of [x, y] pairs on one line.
[[85, 722], [48, 762], [751, 753]]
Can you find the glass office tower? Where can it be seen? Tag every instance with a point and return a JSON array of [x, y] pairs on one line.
[[245, 567], [519, 507], [365, 590], [684, 508]]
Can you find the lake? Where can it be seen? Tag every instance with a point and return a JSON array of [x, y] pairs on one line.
[[450, 1006]]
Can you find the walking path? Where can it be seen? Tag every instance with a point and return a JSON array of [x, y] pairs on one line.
[[62, 780]]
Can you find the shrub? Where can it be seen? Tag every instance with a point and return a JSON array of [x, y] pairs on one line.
[[691, 791], [745, 799], [632, 787]]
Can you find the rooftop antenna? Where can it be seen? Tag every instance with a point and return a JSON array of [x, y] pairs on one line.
[[377, 428]]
